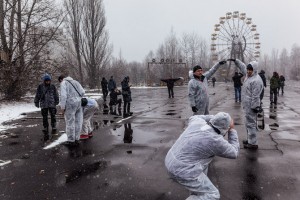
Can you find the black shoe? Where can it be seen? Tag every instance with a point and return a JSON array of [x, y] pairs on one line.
[[251, 146], [245, 141], [45, 129], [71, 144]]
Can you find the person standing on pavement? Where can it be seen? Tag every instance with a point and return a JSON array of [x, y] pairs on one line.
[[251, 91], [263, 78], [198, 89], [47, 98], [111, 84], [237, 83], [281, 84], [114, 101], [104, 84], [274, 85], [213, 79], [126, 93], [188, 159], [170, 85], [88, 112], [71, 93]]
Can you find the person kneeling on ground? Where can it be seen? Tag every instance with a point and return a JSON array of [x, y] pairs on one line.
[[188, 159], [88, 112], [114, 101]]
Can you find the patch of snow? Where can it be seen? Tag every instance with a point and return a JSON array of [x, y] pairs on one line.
[[61, 139]]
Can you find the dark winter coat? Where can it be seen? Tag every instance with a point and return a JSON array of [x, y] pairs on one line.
[[170, 82], [104, 84], [111, 85], [263, 78], [281, 79], [46, 96], [274, 82], [114, 97], [126, 92], [237, 80]]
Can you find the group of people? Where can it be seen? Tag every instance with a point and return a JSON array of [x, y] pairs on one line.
[[110, 88], [77, 117], [188, 159]]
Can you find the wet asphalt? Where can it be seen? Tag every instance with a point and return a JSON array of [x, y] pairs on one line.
[[125, 158]]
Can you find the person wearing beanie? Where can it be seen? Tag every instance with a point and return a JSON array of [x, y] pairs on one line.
[[47, 98], [274, 85], [188, 159], [251, 91], [198, 88], [126, 93]]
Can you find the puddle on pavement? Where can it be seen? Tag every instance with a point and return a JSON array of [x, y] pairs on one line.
[[171, 114], [125, 134], [274, 126], [84, 170]]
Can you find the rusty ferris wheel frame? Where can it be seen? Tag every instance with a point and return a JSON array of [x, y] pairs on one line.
[[235, 36]]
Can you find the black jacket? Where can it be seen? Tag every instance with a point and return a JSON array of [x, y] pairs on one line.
[[46, 96], [237, 80]]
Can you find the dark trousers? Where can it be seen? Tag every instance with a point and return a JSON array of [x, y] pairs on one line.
[[52, 112], [171, 92], [237, 93], [105, 93], [126, 108], [273, 95]]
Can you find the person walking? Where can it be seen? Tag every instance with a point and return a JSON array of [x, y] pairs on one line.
[[198, 88], [274, 85], [281, 84], [47, 99], [170, 85], [188, 159], [71, 93], [88, 112], [126, 93], [104, 84], [263, 78], [111, 84], [252, 88], [237, 83]]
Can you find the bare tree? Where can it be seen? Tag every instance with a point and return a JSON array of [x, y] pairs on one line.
[[21, 23], [295, 62], [96, 50], [73, 23]]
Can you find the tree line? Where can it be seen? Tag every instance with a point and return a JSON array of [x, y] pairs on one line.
[[39, 36]]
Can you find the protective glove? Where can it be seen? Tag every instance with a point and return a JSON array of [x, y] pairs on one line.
[[231, 59], [37, 105], [222, 62], [194, 109], [258, 109]]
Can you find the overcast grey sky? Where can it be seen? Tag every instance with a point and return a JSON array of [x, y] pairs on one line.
[[138, 26]]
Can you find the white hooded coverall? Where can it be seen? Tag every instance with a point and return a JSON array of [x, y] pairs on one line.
[[88, 112], [70, 101], [198, 91], [188, 159], [251, 90]]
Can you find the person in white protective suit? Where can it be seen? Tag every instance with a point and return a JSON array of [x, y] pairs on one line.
[[188, 159], [198, 88], [88, 112], [252, 88], [70, 103]]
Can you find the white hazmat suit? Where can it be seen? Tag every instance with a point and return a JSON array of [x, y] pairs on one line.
[[198, 91], [70, 101], [188, 159], [88, 112], [251, 91]]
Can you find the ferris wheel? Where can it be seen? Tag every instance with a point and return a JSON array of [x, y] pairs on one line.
[[235, 36]]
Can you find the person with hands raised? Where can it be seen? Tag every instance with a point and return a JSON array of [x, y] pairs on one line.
[[251, 103], [198, 88]]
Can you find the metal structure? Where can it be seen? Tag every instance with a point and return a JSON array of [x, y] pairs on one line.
[[235, 36], [167, 69]]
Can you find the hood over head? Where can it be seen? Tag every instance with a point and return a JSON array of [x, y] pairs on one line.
[[221, 121], [254, 65]]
